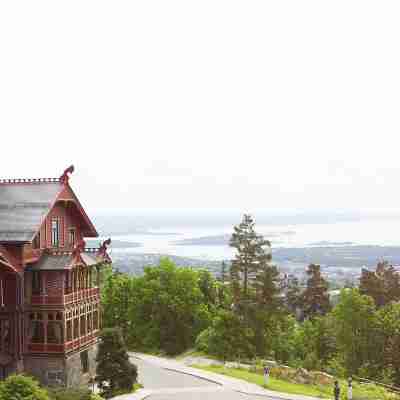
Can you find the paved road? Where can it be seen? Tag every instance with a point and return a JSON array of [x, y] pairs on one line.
[[170, 385]]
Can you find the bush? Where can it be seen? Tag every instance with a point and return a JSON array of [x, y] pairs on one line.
[[115, 374], [21, 387], [72, 394]]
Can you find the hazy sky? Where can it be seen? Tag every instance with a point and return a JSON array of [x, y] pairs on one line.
[[205, 104]]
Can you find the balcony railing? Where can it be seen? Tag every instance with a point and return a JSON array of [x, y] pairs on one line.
[[84, 294], [63, 347]]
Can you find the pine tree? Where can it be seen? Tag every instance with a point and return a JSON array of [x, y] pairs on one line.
[[315, 298], [222, 276], [383, 284], [293, 294], [115, 374], [251, 256]]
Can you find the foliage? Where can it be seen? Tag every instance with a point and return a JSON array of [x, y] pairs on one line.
[[177, 306], [355, 324], [227, 338], [115, 374], [293, 294], [250, 258], [383, 284], [72, 394], [116, 295], [389, 334], [21, 387], [315, 298], [163, 310], [244, 314]]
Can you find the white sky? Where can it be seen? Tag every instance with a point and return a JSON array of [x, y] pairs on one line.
[[206, 104]]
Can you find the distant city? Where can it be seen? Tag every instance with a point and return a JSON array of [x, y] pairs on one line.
[[342, 243]]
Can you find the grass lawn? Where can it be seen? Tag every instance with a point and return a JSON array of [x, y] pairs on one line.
[[370, 392]]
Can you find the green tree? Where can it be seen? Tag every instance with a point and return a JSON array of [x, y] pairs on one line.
[[389, 344], [315, 298], [251, 256], [293, 294], [115, 374], [20, 387], [383, 284], [355, 324], [168, 309], [116, 298], [267, 307], [223, 273], [228, 338], [316, 342]]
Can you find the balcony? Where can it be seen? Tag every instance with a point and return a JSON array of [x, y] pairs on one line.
[[91, 294], [75, 344]]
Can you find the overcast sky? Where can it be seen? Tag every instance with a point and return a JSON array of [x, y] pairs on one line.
[[205, 104]]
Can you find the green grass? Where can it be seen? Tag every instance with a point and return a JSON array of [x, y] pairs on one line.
[[367, 392], [193, 353]]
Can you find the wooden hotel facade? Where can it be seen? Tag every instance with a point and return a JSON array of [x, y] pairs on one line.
[[49, 282]]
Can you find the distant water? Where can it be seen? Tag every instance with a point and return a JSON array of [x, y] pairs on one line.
[[383, 232]]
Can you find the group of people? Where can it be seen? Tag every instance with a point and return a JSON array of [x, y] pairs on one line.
[[336, 389]]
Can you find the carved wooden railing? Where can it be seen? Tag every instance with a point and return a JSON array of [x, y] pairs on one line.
[[75, 344], [84, 294]]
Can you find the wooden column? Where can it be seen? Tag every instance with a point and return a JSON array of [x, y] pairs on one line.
[[43, 281]]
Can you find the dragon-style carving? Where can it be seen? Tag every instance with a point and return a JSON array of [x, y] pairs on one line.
[[103, 248], [65, 176]]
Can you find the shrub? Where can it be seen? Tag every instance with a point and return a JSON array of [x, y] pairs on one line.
[[115, 374], [21, 387], [70, 394]]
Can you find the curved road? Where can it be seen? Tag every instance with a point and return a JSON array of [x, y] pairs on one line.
[[171, 385]]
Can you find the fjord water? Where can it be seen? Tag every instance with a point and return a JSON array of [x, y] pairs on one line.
[[383, 232]]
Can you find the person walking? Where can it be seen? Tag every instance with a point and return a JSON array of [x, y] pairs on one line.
[[350, 389], [336, 390], [266, 375]]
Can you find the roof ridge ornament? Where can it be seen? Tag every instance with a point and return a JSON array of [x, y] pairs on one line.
[[103, 248], [65, 176]]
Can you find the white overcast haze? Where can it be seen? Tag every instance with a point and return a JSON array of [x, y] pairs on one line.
[[274, 105]]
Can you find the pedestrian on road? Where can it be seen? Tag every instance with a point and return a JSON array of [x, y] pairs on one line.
[[350, 389], [266, 375], [336, 390]]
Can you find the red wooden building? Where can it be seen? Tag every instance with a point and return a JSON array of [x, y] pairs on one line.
[[49, 282]]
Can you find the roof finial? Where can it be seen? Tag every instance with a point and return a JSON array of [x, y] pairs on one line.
[[64, 177], [103, 247]]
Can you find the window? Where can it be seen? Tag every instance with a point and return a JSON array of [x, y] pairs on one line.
[[69, 330], [55, 232], [54, 332], [37, 332], [5, 336], [36, 282], [85, 361], [83, 325], [72, 237]]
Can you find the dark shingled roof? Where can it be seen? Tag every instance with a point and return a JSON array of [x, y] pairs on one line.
[[23, 206], [50, 262]]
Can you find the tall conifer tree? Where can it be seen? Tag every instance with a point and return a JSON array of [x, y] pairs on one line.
[[251, 256], [315, 298]]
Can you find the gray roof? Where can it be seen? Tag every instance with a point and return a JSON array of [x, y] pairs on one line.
[[23, 206], [50, 262]]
